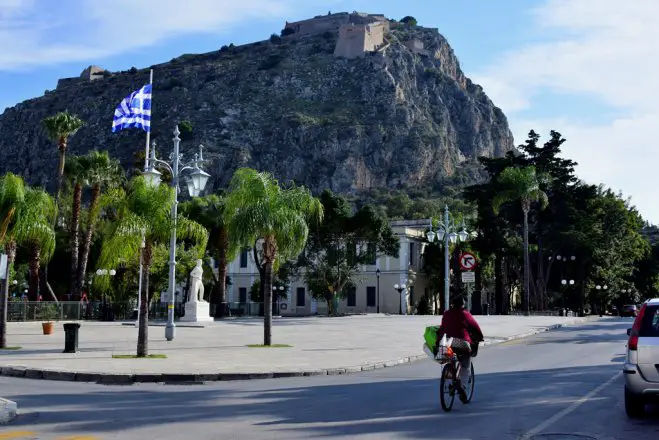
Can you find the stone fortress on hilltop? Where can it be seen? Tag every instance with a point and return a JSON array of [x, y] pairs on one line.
[[358, 34]]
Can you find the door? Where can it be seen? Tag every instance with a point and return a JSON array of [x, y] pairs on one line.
[[648, 344]]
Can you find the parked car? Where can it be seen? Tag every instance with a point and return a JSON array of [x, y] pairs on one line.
[[641, 368], [629, 310]]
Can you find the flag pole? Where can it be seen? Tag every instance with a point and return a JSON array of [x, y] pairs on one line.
[[146, 167], [148, 133]]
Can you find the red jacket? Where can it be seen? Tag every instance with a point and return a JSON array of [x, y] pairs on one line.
[[459, 323]]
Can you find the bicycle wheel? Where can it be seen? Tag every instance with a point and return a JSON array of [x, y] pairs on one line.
[[470, 385], [446, 387]]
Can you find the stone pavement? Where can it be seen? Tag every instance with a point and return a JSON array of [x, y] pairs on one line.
[[219, 350]]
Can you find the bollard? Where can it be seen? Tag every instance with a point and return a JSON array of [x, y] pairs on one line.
[[71, 337]]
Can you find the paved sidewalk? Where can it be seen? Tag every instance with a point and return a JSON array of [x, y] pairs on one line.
[[219, 351]]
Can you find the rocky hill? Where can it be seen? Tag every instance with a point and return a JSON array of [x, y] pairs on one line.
[[403, 115]]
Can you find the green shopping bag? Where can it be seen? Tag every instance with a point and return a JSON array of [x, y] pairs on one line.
[[430, 336]]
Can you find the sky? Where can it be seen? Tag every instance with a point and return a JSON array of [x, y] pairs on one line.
[[585, 68]]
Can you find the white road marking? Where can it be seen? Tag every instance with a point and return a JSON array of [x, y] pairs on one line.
[[550, 421]]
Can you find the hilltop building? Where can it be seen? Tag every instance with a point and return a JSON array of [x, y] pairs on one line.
[[358, 33]]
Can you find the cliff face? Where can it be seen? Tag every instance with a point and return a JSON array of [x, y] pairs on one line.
[[404, 115]]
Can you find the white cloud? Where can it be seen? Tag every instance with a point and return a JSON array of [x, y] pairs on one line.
[[51, 32], [604, 50]]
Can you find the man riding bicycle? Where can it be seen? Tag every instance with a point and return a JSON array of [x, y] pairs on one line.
[[459, 324]]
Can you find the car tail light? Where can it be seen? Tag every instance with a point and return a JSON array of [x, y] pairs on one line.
[[636, 329]]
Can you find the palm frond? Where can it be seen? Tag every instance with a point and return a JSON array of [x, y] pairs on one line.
[[62, 125]]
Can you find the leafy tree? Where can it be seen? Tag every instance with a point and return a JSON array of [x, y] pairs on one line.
[[210, 212], [263, 211], [185, 129], [409, 20], [342, 243], [521, 184], [143, 216], [60, 128]]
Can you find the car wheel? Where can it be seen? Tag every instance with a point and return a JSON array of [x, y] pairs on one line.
[[634, 405]]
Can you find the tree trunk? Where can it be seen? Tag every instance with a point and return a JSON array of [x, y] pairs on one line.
[[269, 255], [527, 265], [74, 233], [34, 266], [143, 325], [10, 250], [498, 284], [62, 157], [91, 226], [222, 264]]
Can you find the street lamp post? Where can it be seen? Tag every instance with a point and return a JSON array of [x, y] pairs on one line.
[[400, 288], [276, 292], [447, 231], [377, 275], [103, 272], [196, 184]]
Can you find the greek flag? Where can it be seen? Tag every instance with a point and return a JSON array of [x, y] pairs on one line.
[[134, 111]]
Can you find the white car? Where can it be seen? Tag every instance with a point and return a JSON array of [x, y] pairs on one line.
[[641, 369]]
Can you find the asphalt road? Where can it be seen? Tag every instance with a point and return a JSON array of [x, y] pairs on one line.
[[566, 381]]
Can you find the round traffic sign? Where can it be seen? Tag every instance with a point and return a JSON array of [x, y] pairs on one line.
[[467, 261]]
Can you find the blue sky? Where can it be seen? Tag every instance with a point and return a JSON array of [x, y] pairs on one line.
[[583, 67]]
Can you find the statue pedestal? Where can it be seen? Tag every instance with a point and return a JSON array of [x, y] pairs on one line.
[[197, 312]]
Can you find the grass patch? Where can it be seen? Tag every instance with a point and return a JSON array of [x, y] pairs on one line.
[[132, 356], [11, 348], [269, 346]]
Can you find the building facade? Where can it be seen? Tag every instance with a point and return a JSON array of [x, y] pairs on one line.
[[363, 298]]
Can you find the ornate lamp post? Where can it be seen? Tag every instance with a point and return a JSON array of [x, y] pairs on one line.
[[447, 231], [196, 184]]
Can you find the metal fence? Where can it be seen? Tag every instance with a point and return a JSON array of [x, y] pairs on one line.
[[111, 311]]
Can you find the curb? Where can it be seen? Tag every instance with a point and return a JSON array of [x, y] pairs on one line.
[[177, 378], [8, 411]]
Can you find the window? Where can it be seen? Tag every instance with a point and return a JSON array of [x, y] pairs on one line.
[[370, 296], [301, 297], [650, 324], [372, 254], [412, 254], [242, 294], [352, 297], [243, 258]]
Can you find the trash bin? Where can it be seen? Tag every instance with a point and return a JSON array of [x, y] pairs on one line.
[[71, 337]]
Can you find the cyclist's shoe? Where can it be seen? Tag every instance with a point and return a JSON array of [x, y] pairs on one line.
[[462, 393]]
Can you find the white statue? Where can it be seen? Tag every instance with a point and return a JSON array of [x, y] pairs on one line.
[[196, 293]]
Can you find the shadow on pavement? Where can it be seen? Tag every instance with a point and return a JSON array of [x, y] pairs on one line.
[[586, 334], [505, 405]]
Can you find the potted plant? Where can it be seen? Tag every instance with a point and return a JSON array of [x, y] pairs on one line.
[[48, 313]]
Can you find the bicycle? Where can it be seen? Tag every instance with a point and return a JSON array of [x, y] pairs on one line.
[[450, 373]]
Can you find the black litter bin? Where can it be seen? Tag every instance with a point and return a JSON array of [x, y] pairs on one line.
[[71, 337]]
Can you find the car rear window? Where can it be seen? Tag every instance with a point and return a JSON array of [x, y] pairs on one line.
[[650, 324]]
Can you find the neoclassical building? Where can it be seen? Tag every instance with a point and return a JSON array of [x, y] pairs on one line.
[[362, 299]]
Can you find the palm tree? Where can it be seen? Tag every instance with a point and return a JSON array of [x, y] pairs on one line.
[[259, 209], [36, 233], [60, 128], [521, 184], [12, 203], [210, 212], [143, 215], [100, 171], [75, 171]]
